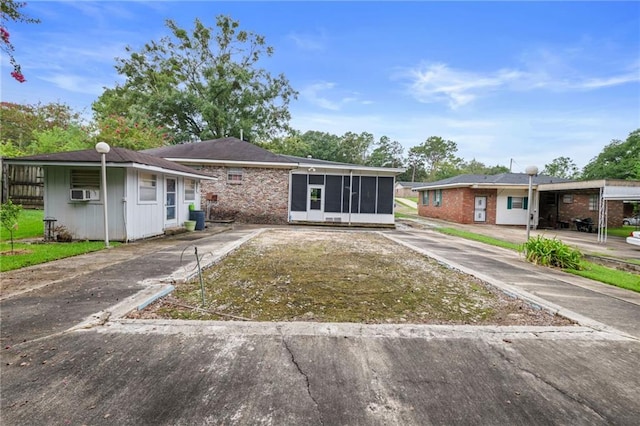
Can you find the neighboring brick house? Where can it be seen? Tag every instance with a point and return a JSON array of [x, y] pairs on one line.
[[503, 200], [405, 189], [257, 186]]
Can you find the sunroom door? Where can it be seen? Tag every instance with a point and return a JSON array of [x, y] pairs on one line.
[[315, 203]]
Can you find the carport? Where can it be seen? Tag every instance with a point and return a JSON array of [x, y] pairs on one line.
[[588, 198]]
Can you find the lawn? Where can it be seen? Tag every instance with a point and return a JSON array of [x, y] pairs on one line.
[[623, 231], [594, 271], [31, 226]]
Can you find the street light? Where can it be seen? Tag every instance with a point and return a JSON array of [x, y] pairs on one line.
[[531, 171], [103, 148]]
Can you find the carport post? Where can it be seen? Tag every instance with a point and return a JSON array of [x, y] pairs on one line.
[[531, 171]]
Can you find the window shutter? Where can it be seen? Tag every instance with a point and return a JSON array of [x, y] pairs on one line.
[[509, 201], [525, 203]]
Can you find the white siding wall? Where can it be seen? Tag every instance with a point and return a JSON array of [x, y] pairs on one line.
[[85, 219], [505, 216]]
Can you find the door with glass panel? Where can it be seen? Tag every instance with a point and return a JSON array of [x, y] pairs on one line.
[[170, 201]]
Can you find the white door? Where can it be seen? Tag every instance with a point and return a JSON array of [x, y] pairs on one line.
[[315, 203], [170, 198], [480, 212]]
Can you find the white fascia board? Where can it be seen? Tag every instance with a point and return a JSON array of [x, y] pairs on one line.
[[360, 169], [567, 186], [258, 164], [169, 171], [474, 186]]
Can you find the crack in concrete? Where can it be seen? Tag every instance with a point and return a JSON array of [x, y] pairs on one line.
[[553, 386], [306, 377]]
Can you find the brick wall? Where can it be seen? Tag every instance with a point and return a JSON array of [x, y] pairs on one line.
[[458, 205], [579, 209], [261, 197]]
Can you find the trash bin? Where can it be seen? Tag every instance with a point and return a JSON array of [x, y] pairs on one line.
[[198, 216]]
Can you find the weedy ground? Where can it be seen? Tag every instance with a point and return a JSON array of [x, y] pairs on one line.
[[332, 276]]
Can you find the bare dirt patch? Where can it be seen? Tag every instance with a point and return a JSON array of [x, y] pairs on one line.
[[328, 276]]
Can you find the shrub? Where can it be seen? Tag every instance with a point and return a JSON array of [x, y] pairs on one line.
[[9, 213], [552, 252]]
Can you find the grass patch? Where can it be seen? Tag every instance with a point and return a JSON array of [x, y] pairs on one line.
[[607, 275], [594, 271], [342, 277], [478, 237], [623, 231], [33, 254], [30, 225]]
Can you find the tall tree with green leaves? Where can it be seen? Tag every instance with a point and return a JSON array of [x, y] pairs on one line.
[[437, 154], [387, 153], [562, 167], [21, 126], [202, 84], [618, 160]]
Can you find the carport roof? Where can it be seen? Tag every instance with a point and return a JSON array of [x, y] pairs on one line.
[[489, 181], [612, 189]]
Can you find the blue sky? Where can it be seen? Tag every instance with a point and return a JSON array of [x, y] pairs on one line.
[[521, 81]]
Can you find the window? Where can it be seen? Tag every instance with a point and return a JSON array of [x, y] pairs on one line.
[[189, 190], [234, 175], [593, 202], [147, 185], [425, 198], [517, 203], [85, 179], [437, 197], [567, 198]]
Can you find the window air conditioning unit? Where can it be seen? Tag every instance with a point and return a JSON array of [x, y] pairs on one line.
[[84, 194]]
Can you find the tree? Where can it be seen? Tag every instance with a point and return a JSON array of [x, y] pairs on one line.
[[9, 214], [20, 124], [436, 154], [57, 139], [562, 167], [354, 147], [416, 161], [618, 160], [203, 84], [10, 11], [291, 144], [125, 132], [475, 167], [386, 154]]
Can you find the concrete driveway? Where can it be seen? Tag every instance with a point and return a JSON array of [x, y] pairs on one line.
[[68, 356]]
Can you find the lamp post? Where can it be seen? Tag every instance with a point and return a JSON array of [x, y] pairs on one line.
[[531, 171], [103, 148]]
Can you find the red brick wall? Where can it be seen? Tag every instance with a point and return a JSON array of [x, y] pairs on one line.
[[458, 205], [579, 209], [261, 197]]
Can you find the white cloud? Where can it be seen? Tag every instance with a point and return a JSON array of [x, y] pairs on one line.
[[308, 41], [318, 94], [77, 83], [439, 83]]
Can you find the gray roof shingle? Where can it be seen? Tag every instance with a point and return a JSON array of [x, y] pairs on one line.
[[115, 156], [229, 149], [499, 179]]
